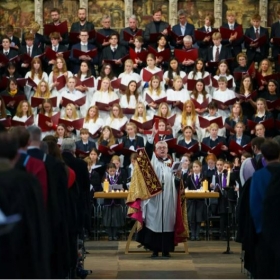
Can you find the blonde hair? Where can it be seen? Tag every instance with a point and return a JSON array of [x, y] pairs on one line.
[[213, 125], [192, 114], [110, 89], [111, 137], [269, 69], [38, 92], [19, 112], [158, 90], [136, 114], [74, 112], [159, 110], [120, 116], [40, 70], [87, 117], [216, 35]]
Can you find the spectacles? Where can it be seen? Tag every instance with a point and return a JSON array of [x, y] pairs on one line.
[[162, 147]]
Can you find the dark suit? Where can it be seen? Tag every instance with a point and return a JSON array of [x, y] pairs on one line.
[[224, 53], [245, 139], [76, 62], [232, 123], [15, 41], [138, 142], [189, 30], [235, 46], [151, 28], [12, 53], [120, 52], [77, 27], [130, 31], [85, 147], [204, 45], [251, 52], [38, 41]]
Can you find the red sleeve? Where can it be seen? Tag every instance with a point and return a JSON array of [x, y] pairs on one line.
[[71, 177]]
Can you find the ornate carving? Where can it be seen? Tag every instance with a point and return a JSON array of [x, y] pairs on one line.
[[263, 11], [218, 11], [38, 9], [128, 10]]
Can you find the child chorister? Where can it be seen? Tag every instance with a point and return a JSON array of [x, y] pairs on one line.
[[195, 206]]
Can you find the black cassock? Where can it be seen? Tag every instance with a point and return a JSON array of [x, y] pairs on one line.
[[24, 252]]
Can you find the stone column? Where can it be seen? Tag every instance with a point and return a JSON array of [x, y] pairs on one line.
[[128, 10], [218, 12], [38, 10], [84, 4], [173, 9], [263, 12]]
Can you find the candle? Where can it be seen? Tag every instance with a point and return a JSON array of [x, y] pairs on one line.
[[205, 185], [106, 186], [228, 177]]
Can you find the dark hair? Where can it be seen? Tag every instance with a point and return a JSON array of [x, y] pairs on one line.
[[22, 135], [8, 145], [95, 150], [257, 141], [88, 71], [111, 165], [270, 149], [195, 69], [212, 105], [114, 34], [55, 10], [170, 70]]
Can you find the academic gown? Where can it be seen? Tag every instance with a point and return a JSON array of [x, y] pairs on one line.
[[25, 250]]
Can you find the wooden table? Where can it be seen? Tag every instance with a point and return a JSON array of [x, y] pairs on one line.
[[188, 195]]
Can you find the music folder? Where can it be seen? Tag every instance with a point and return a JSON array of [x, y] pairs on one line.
[[88, 82], [36, 101], [78, 102], [100, 38], [238, 149], [169, 120], [201, 35], [204, 123], [215, 83], [61, 82], [261, 40], [145, 125], [28, 122], [202, 105], [226, 103], [128, 36], [215, 150], [149, 99], [147, 75], [128, 111], [81, 154], [42, 119], [184, 150], [105, 149], [268, 124], [183, 55], [6, 122], [273, 104], [17, 98], [165, 54], [61, 28], [91, 53], [106, 106], [113, 61], [77, 124], [117, 132], [142, 56], [226, 32], [175, 36]]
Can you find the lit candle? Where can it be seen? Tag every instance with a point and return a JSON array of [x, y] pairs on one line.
[[228, 177], [205, 185]]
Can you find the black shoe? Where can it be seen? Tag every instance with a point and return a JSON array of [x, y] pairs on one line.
[[154, 255], [197, 238], [166, 255]]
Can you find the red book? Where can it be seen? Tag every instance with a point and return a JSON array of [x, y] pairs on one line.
[[127, 36], [25, 58], [227, 103], [77, 124], [238, 149], [116, 83], [5, 60], [145, 125], [226, 33], [253, 95], [17, 98], [79, 102], [28, 122], [261, 40], [127, 151], [273, 104], [123, 87], [215, 150], [149, 99], [261, 78], [201, 35], [165, 54], [154, 37], [250, 72], [203, 105], [36, 101], [113, 61], [91, 53], [40, 56], [228, 127], [6, 122], [128, 111], [170, 120], [171, 142], [191, 84], [182, 55], [103, 106], [74, 36], [276, 41], [268, 124], [184, 150], [52, 55], [21, 82], [105, 150], [61, 28], [99, 84], [62, 82], [116, 132], [175, 37], [216, 85], [88, 82], [204, 123], [31, 83], [207, 80], [42, 119], [100, 38], [4, 82], [81, 154], [147, 75], [141, 55]]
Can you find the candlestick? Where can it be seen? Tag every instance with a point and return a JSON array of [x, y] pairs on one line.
[[205, 185], [228, 177], [106, 186]]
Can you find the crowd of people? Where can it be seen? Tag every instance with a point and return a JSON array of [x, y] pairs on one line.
[[101, 95]]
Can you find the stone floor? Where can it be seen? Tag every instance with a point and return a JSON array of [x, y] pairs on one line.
[[205, 260]]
